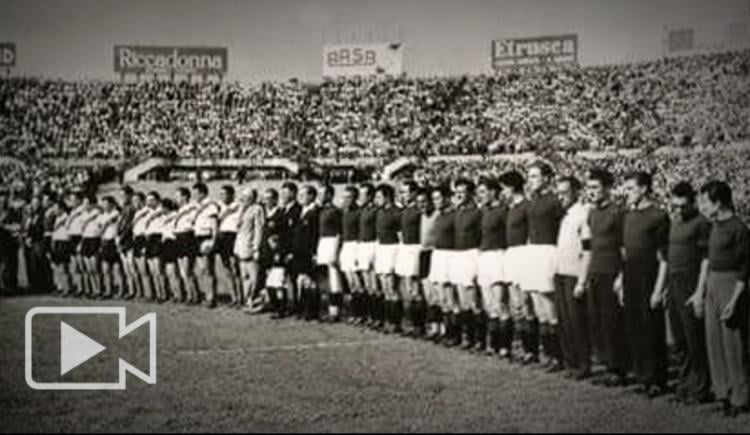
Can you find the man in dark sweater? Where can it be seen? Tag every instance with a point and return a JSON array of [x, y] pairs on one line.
[[544, 215], [645, 238], [490, 268], [725, 297], [387, 226], [407, 258], [604, 288], [327, 254], [442, 256], [688, 270], [348, 255], [366, 245], [518, 267], [463, 268]]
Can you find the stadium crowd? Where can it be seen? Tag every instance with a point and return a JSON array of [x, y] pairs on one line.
[[697, 100]]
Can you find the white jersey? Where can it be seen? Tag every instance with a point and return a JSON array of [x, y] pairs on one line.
[[168, 225], [60, 233], [183, 221], [206, 216], [109, 222], [92, 224], [229, 217], [155, 223], [139, 221], [76, 219]]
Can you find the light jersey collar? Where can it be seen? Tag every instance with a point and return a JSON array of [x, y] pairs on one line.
[[308, 208], [603, 203], [516, 200], [643, 204], [289, 205], [544, 191], [724, 216]]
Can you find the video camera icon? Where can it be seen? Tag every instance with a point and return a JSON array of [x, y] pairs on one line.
[[76, 348]]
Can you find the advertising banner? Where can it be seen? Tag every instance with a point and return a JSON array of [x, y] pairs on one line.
[[135, 59], [537, 51], [348, 60]]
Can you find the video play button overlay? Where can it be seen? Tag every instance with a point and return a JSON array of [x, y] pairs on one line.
[[75, 348]]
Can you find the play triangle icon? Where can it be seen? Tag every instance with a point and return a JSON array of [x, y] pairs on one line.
[[75, 348]]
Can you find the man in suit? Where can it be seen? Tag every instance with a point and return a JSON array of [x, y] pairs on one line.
[[288, 219], [301, 255]]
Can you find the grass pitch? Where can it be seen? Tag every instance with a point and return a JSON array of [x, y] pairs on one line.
[[223, 370]]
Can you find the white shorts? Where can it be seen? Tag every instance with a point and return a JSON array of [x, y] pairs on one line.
[[275, 277], [366, 255], [440, 266], [463, 267], [328, 251], [385, 258], [407, 260], [517, 265], [542, 264], [348, 256], [491, 267]]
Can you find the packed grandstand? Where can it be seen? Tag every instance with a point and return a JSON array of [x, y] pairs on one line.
[[699, 102]]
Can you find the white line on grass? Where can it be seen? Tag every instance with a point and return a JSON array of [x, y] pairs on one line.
[[320, 345]]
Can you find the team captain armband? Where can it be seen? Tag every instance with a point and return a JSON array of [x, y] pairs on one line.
[[586, 244]]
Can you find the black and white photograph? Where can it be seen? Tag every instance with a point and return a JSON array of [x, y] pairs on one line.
[[374, 216]]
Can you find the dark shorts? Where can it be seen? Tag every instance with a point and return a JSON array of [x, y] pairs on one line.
[[48, 244], [75, 241], [185, 245], [126, 242], [153, 246], [90, 246], [424, 263], [139, 246], [109, 252], [169, 251], [62, 250], [225, 243], [199, 240]]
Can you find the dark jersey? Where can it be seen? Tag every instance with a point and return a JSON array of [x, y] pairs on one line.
[[468, 227], [544, 214], [493, 228], [350, 224], [367, 232], [411, 219], [387, 225]]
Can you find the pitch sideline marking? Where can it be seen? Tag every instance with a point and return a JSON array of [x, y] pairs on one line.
[[292, 347]]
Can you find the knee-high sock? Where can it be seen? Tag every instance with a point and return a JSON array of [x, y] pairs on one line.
[[398, 313], [554, 343], [506, 333], [450, 324], [532, 337], [480, 333], [469, 327], [419, 316], [382, 309]]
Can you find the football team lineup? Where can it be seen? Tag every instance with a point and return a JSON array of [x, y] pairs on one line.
[[309, 359]]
